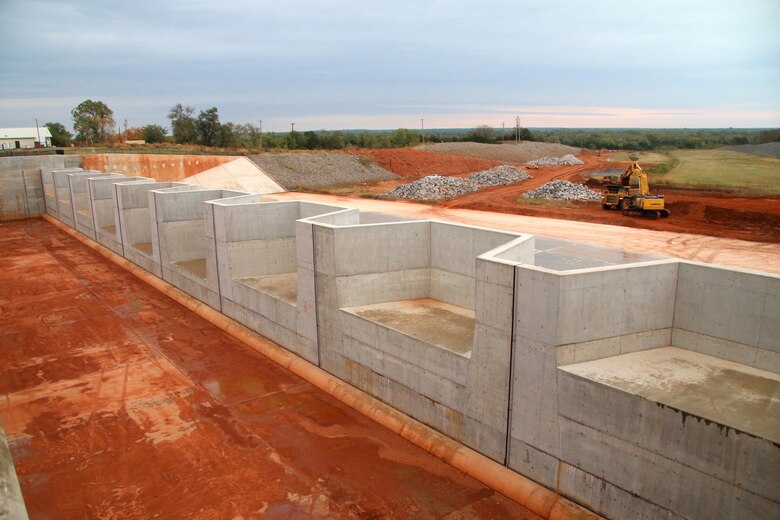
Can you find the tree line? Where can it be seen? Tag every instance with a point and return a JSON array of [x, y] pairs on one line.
[[93, 123]]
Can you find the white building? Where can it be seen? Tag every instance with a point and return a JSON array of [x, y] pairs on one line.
[[24, 137]]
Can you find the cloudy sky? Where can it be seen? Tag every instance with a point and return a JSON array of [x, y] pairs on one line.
[[387, 64]]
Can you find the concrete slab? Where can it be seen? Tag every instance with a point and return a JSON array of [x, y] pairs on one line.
[[734, 395], [282, 286], [432, 321]]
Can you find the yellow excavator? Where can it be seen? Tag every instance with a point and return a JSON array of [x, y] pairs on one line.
[[633, 202]]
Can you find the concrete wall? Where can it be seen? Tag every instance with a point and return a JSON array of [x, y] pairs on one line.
[[161, 167], [729, 313], [256, 246], [102, 199], [180, 244], [625, 455], [463, 394], [132, 217], [82, 204], [22, 193]]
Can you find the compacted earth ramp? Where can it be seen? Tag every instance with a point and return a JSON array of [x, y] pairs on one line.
[[312, 170]]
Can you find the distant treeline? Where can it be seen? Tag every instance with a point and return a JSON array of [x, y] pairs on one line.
[[655, 139], [93, 122]]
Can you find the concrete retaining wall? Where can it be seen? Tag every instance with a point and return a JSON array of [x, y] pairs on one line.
[[23, 193], [180, 244], [644, 390], [102, 199]]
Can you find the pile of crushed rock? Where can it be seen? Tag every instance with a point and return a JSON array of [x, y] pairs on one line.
[[563, 190], [566, 160], [437, 187]]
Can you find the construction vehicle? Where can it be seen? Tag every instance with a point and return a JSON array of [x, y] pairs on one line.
[[633, 201]]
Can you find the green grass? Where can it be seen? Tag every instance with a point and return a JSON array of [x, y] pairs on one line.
[[743, 173], [644, 157]]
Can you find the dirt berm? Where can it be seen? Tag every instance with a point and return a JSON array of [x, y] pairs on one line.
[[510, 152], [311, 170]]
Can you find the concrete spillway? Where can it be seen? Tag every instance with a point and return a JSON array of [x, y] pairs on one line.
[[591, 371]]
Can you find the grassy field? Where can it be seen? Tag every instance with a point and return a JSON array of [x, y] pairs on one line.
[[644, 157], [743, 173]]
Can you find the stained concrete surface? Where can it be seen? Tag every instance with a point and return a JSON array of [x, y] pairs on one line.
[[119, 402], [282, 286], [730, 394], [435, 322]]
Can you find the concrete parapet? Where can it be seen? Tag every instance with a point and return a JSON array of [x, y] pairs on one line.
[[180, 242], [418, 314], [132, 219]]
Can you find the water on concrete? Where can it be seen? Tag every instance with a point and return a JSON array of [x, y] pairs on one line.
[[564, 255]]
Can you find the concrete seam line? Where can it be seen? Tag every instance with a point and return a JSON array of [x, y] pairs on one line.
[[536, 498]]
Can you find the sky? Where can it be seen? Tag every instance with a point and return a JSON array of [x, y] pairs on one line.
[[375, 64]]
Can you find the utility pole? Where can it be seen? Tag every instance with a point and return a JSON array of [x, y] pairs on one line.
[[517, 130], [422, 128], [502, 131], [38, 129], [292, 127], [125, 130], [261, 132]]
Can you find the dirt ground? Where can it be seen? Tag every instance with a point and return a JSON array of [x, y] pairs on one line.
[[507, 153], [712, 213], [120, 403], [411, 163]]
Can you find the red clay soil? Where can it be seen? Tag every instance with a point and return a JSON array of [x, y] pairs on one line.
[[693, 211], [120, 403], [413, 164]]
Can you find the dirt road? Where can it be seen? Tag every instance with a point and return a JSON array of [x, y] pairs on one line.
[[727, 251]]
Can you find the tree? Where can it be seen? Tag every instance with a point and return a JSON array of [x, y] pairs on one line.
[[183, 124], [59, 134], [208, 128], [482, 134], [154, 133], [93, 121], [526, 135]]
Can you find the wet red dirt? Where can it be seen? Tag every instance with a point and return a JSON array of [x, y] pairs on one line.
[[120, 403]]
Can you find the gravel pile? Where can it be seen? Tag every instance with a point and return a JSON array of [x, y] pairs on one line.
[[434, 187], [437, 187], [563, 190], [566, 160], [499, 176]]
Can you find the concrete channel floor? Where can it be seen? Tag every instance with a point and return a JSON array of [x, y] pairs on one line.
[[120, 403]]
